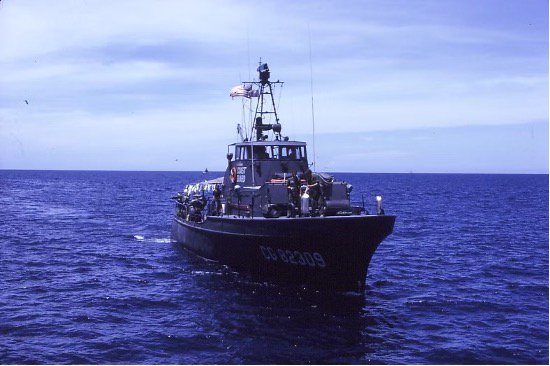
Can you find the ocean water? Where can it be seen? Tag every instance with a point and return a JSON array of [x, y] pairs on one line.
[[88, 275]]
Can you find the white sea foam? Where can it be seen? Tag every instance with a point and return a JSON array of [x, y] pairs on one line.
[[139, 237], [161, 240], [208, 273]]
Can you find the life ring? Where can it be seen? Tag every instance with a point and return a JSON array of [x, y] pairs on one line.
[[233, 175]]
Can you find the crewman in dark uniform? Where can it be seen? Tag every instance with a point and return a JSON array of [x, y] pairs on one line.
[[293, 185], [217, 193], [314, 190]]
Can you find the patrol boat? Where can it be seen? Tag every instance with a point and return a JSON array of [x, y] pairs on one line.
[[272, 217]]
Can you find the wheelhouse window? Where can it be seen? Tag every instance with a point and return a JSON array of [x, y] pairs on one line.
[[292, 152], [262, 152], [270, 152], [242, 152], [274, 152]]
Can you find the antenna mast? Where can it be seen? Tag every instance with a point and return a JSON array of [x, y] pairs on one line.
[[311, 89], [265, 89]]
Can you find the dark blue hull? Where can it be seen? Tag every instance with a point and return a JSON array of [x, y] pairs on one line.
[[328, 252]]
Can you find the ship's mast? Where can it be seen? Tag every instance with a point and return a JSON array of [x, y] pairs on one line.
[[265, 88], [261, 107]]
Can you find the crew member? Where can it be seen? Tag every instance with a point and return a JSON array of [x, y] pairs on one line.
[[314, 190], [217, 193], [293, 185]]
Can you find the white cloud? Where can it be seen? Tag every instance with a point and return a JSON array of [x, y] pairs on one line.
[[31, 29]]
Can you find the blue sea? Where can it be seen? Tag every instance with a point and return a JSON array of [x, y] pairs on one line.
[[89, 276]]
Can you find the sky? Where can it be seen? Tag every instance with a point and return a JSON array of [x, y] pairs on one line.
[[398, 86]]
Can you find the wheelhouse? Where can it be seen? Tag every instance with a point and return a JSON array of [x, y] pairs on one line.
[[268, 150]]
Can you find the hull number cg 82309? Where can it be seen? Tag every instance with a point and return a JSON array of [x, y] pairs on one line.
[[294, 257]]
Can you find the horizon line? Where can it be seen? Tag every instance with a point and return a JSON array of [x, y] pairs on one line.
[[221, 171]]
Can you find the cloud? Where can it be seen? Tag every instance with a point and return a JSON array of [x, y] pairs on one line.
[[61, 25]]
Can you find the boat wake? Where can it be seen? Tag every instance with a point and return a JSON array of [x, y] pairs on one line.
[[207, 273], [160, 240], [151, 240]]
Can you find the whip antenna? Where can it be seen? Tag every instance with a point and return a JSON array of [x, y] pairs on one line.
[[249, 78], [311, 89]]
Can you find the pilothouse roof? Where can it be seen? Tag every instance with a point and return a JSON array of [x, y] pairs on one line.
[[269, 143]]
